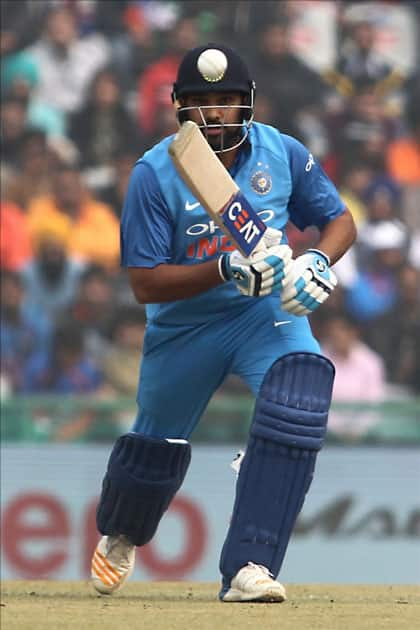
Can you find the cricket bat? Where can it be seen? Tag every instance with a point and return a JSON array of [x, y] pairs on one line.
[[214, 188]]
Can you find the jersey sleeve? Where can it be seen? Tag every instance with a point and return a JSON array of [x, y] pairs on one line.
[[146, 224], [314, 199]]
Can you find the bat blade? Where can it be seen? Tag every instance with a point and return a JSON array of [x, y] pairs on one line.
[[214, 188]]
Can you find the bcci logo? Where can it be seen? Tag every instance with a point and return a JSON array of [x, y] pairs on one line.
[[261, 182]]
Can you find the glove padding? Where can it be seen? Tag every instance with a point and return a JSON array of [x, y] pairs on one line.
[[264, 271], [309, 283]]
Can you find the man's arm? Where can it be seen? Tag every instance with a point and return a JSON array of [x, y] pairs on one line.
[[264, 272], [337, 236], [314, 201], [146, 250], [166, 283], [146, 244]]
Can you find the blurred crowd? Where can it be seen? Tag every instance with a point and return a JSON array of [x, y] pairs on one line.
[[85, 89]]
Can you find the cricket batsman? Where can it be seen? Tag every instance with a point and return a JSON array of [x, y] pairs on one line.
[[213, 312]]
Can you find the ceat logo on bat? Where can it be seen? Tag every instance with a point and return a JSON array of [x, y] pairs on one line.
[[243, 223]]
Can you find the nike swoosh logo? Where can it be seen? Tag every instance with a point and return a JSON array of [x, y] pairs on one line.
[[287, 321], [191, 206]]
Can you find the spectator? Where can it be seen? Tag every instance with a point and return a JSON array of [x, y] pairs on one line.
[[359, 63], [403, 157], [93, 231], [33, 177], [121, 360], [13, 129], [359, 133], [360, 372], [374, 157], [66, 63], [20, 78], [334, 308], [110, 22], [114, 194], [93, 308], [21, 23], [19, 74], [264, 109], [374, 200], [374, 291], [134, 47], [395, 335], [164, 125], [23, 334], [155, 84], [354, 182], [103, 127], [359, 376], [297, 87], [66, 369], [51, 278], [15, 243], [382, 198]]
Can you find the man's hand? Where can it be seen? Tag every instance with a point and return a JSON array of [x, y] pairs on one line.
[[308, 284], [264, 271]]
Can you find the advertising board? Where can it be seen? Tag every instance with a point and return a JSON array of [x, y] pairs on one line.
[[360, 523]]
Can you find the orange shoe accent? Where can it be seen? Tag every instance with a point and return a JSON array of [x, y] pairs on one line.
[[102, 573], [112, 569]]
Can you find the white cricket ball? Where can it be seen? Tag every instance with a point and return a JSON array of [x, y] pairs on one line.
[[212, 64]]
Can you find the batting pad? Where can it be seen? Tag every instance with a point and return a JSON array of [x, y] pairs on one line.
[[142, 478], [287, 431]]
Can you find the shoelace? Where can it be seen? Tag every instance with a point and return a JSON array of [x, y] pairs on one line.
[[261, 568]]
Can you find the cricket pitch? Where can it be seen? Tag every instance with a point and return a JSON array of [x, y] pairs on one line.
[[47, 605]]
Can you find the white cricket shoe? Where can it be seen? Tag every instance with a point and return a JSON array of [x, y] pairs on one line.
[[254, 583], [112, 563]]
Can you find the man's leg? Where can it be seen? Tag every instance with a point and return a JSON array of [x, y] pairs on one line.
[[147, 466], [142, 478], [287, 431]]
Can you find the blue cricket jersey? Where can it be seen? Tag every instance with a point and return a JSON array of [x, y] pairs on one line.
[[162, 222]]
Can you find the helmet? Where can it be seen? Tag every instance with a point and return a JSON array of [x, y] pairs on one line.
[[215, 68]]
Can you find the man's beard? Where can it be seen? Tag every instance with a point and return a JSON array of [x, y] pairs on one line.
[[227, 139]]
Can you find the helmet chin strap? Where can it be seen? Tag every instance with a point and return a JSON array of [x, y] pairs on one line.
[[245, 128], [242, 127]]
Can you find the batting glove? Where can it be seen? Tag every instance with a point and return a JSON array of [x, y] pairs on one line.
[[271, 237], [262, 273], [309, 283]]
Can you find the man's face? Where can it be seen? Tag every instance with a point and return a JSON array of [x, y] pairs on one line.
[[68, 190], [52, 259], [13, 120], [96, 291], [214, 112], [341, 336], [61, 27], [275, 41], [364, 35]]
